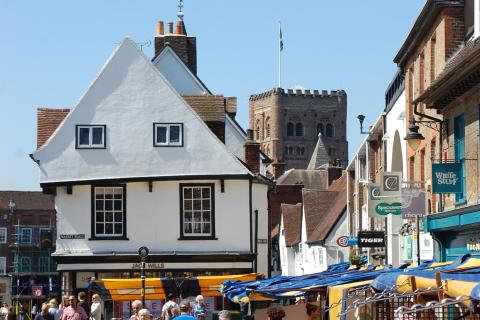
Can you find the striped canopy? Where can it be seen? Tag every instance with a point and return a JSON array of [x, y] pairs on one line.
[[159, 288]]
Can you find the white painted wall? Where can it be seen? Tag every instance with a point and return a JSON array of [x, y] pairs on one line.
[[260, 203], [128, 96], [396, 125], [336, 254], [234, 138], [177, 73], [153, 219], [287, 254]]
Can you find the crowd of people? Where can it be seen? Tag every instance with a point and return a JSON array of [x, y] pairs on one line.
[[172, 310]]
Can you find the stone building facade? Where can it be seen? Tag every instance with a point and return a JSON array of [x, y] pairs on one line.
[[287, 124]]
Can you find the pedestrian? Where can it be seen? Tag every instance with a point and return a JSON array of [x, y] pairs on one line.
[[275, 313], [11, 314], [64, 303], [96, 308], [144, 314], [136, 307], [224, 315], [185, 309], [168, 306], [313, 311], [44, 314], [53, 309], [4, 310], [199, 309], [73, 312], [82, 302]]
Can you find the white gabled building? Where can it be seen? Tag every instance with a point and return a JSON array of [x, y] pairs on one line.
[[134, 165]]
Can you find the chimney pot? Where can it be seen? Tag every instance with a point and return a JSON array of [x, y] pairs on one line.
[[170, 27], [160, 29]]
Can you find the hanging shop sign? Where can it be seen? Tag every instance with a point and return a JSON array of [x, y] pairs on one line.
[[373, 199], [385, 198], [413, 202], [342, 241], [371, 239], [446, 178]]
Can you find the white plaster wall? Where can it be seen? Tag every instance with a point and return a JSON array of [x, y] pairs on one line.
[[153, 219], [287, 254], [179, 76], [396, 122], [260, 203], [128, 96], [333, 251], [234, 138]]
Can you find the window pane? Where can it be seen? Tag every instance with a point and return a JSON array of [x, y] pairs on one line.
[[196, 193], [187, 193], [109, 228], [108, 205], [206, 228], [197, 228], [206, 204], [99, 217], [118, 205], [187, 228], [97, 135], [197, 204], [188, 216], [175, 134], [197, 216], [118, 217], [187, 205], [99, 204], [206, 192], [84, 136], [161, 134], [118, 228], [100, 229], [206, 216], [108, 216]]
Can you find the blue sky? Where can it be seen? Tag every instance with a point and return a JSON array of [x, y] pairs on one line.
[[52, 50]]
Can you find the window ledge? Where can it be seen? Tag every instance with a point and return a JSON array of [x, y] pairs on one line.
[[198, 238], [107, 238]]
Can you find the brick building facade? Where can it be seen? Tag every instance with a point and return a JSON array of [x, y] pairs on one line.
[[287, 124]]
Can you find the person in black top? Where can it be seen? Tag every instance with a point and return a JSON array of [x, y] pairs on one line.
[[82, 302], [44, 314], [11, 314]]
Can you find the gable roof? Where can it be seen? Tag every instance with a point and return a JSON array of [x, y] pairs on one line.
[[310, 179], [130, 90], [292, 223], [208, 107], [323, 209], [27, 200], [177, 73], [48, 120], [319, 157]]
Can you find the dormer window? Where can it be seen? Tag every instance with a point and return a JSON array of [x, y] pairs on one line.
[[90, 137], [167, 135]]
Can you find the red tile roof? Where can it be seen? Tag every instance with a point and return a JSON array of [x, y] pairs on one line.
[[48, 121], [292, 223], [311, 179]]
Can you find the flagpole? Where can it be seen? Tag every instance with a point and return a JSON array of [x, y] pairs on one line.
[[280, 54]]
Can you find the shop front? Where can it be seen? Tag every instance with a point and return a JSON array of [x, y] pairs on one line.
[[455, 232]]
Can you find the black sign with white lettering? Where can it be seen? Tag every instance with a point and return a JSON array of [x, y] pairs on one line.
[[371, 239]]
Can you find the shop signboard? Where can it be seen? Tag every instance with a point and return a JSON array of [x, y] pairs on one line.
[[446, 178], [385, 198], [371, 239], [413, 202], [373, 199]]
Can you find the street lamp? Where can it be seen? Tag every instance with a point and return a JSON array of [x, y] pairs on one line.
[[361, 118], [413, 137], [143, 253]]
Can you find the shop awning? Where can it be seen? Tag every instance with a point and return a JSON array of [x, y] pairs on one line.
[[159, 288], [337, 296]]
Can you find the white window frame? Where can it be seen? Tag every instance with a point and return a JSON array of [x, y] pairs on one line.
[[168, 127], [47, 265], [3, 235], [192, 211], [29, 240], [3, 263], [105, 213], [21, 269], [90, 145]]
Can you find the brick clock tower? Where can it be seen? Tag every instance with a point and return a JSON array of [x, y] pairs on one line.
[[287, 124]]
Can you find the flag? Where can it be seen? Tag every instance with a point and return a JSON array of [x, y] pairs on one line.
[[281, 39]]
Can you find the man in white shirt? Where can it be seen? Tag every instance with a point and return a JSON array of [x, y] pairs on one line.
[[168, 306]]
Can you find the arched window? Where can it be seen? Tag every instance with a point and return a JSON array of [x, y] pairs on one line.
[[329, 130], [298, 150], [320, 128], [299, 129], [302, 151], [290, 150], [267, 130], [257, 130], [290, 129]]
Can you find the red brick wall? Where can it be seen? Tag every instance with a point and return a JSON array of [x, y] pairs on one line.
[[283, 194]]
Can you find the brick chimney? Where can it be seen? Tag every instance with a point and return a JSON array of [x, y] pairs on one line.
[[252, 152], [184, 46], [278, 168]]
